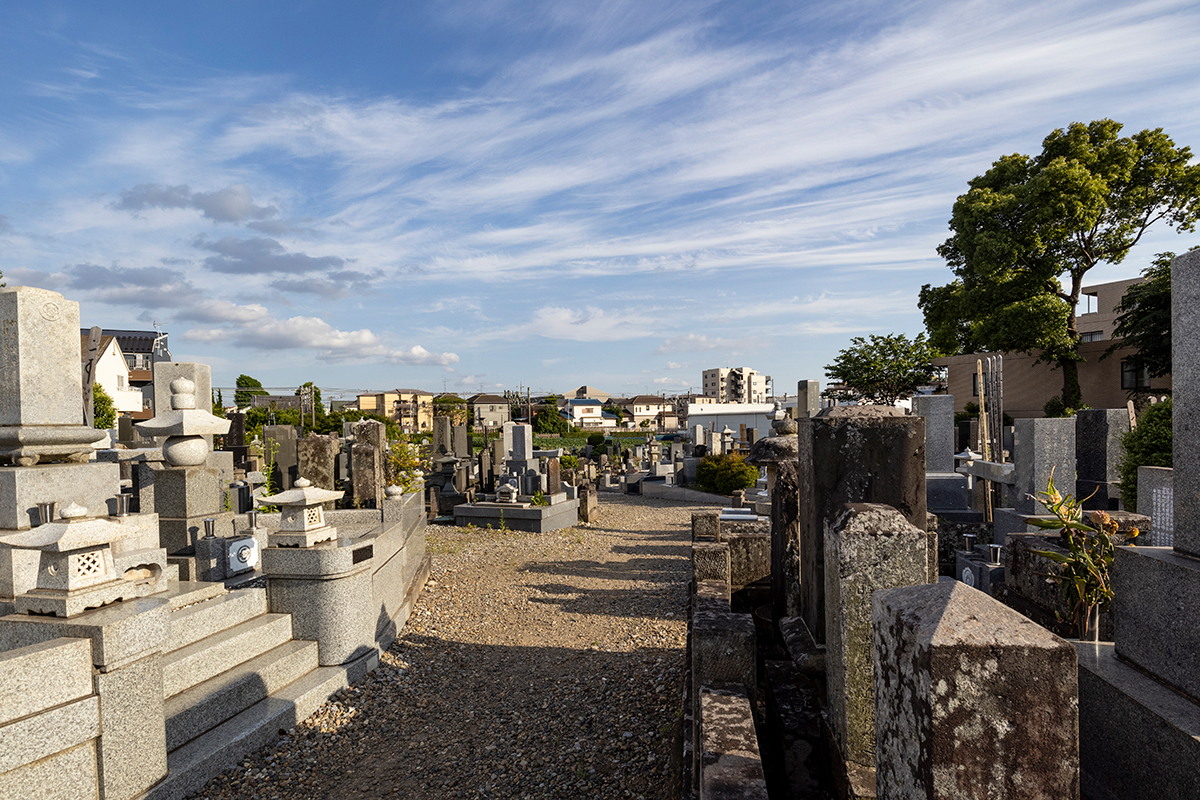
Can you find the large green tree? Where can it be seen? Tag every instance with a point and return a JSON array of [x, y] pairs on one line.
[[882, 369], [104, 410], [247, 388], [1030, 228]]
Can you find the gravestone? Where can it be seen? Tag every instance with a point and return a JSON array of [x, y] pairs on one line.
[[553, 475], [938, 411], [41, 409], [779, 455], [972, 700], [443, 440], [1098, 452], [808, 398], [853, 454], [281, 439], [1155, 499], [1042, 447], [366, 470], [372, 432], [316, 460], [461, 441], [868, 547]]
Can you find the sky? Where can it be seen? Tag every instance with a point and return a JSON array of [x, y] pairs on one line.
[[477, 196]]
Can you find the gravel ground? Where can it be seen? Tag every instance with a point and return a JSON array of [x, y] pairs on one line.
[[534, 666]]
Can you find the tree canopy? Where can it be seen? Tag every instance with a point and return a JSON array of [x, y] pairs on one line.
[[1029, 229], [882, 369], [247, 388], [104, 411], [548, 420], [1144, 319], [452, 406]]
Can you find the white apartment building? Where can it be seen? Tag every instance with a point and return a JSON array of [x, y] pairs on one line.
[[735, 385]]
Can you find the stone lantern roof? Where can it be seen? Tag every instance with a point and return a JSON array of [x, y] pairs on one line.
[[303, 520]]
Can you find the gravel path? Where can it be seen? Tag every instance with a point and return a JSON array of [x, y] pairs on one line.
[[534, 666]]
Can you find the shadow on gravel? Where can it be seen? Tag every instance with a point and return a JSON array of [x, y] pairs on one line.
[[470, 720]]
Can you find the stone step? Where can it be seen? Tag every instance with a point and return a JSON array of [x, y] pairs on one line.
[[199, 661], [184, 593], [198, 620], [195, 763], [206, 705]]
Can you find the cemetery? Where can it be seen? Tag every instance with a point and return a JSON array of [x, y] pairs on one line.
[[876, 615]]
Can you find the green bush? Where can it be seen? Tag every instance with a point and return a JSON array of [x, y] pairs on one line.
[[1056, 408], [104, 411], [569, 462], [725, 474], [596, 440], [1147, 445]]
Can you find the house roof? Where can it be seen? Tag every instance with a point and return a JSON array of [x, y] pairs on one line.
[[130, 341], [646, 400], [487, 398], [584, 402], [586, 390], [105, 341]]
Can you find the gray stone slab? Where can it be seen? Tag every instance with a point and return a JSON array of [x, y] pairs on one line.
[[1156, 604], [196, 663], [38, 677], [1185, 378], [711, 561], [337, 613], [730, 763], [1155, 499], [182, 492], [1008, 521], [120, 633], [1042, 447], [179, 535], [711, 595], [51, 731], [945, 490], [69, 775], [973, 700], [868, 547], [1138, 739], [808, 398], [723, 652], [92, 485], [323, 560], [132, 753], [938, 411], [858, 455], [40, 381], [1098, 449], [193, 623], [749, 557], [706, 526], [207, 705], [535, 519]]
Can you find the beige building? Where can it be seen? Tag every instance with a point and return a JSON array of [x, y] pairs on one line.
[[412, 408], [735, 385], [112, 373], [1028, 385]]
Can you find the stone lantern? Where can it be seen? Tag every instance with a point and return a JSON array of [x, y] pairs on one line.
[[184, 426], [303, 520]]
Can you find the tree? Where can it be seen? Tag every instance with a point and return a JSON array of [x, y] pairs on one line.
[[548, 419], [218, 403], [104, 412], [1148, 445], [725, 474], [615, 410], [882, 369], [452, 406], [1144, 319], [247, 388], [1030, 228]]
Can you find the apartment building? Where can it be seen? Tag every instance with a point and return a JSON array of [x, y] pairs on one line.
[[735, 385]]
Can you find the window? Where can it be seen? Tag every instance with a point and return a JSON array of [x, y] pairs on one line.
[[1134, 378], [1091, 336]]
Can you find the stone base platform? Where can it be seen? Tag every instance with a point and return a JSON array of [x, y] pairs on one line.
[[518, 517], [1138, 739]]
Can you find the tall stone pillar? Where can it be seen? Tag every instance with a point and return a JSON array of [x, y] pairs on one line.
[[853, 454]]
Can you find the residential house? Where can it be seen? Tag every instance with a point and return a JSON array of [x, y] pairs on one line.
[[657, 410], [585, 413], [1028, 385], [112, 373], [411, 408], [140, 350], [488, 411]]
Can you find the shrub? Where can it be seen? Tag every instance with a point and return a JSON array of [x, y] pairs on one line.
[[569, 462], [596, 440], [1056, 408], [1147, 445], [725, 474]]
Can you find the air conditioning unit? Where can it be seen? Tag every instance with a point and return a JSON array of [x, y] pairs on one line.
[[242, 554]]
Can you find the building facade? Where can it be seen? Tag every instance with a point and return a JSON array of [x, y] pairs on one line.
[[411, 408], [735, 385], [489, 410], [1028, 385]]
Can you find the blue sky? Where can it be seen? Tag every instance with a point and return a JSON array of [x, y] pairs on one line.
[[471, 195]]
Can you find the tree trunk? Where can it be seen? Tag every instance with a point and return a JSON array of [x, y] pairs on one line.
[[1072, 396]]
